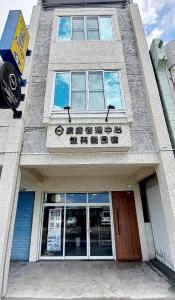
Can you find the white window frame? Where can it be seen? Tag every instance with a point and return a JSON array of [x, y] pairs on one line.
[[87, 111], [85, 27]]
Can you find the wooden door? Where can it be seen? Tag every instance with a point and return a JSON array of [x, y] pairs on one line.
[[126, 227]]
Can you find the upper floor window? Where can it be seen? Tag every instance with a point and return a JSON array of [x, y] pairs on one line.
[[87, 91], [85, 28]]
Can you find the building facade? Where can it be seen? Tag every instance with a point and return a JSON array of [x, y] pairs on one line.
[[76, 182]]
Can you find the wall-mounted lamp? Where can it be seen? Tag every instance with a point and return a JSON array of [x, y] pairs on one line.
[[68, 108], [109, 107]]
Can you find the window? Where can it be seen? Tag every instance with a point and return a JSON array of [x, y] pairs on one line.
[[85, 28], [87, 91]]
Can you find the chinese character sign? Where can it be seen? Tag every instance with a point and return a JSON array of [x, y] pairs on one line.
[[112, 137], [90, 135]]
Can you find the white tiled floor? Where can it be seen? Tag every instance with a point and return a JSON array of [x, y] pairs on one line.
[[87, 280]]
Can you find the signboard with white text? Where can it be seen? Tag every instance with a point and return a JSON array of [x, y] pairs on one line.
[[102, 136]]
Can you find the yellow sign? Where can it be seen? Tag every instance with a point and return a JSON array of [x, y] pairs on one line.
[[20, 43]]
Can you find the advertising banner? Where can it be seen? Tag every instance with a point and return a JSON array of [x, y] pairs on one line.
[[54, 230], [15, 39]]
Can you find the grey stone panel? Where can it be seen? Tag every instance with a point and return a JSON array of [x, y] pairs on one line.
[[42, 46], [35, 141], [142, 141], [124, 20], [34, 136], [141, 129], [35, 106]]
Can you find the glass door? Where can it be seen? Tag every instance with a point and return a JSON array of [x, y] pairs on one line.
[[76, 226], [100, 232], [76, 232]]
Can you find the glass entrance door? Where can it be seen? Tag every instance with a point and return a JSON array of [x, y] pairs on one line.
[[77, 226], [76, 232], [100, 232]]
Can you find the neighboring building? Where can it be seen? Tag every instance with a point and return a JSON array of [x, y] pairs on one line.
[[78, 183], [163, 58]]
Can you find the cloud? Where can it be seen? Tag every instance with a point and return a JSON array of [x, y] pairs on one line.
[[155, 34], [6, 5], [158, 18]]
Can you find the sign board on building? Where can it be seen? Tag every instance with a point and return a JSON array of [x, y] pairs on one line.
[[103, 136], [14, 41], [10, 87]]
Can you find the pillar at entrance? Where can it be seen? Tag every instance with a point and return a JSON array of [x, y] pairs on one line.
[[9, 187]]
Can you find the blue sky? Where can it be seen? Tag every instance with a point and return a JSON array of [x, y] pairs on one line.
[[158, 16]]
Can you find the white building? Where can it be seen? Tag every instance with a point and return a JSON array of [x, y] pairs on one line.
[[89, 187]]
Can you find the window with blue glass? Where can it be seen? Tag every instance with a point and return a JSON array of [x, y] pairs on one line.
[[98, 197], [81, 28], [87, 91]]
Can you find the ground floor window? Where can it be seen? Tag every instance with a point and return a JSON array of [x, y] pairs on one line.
[[77, 225]]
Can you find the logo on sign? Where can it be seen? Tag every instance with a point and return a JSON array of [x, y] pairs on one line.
[[10, 87], [12, 82]]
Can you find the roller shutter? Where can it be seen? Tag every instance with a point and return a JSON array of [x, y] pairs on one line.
[[23, 227]]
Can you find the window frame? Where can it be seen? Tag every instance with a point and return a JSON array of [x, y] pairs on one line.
[[87, 111], [85, 28]]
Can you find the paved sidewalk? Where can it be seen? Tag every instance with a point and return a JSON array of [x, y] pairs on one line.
[[87, 280]]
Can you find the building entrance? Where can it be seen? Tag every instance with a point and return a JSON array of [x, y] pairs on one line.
[[77, 226]]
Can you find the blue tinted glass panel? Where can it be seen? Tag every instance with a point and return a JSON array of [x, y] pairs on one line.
[[112, 89], [76, 198], [64, 32], [105, 24], [62, 86], [98, 198]]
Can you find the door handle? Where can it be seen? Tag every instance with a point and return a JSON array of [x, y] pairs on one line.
[[118, 223]]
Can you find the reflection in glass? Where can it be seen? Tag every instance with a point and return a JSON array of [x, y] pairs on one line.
[[100, 231], [76, 198], [62, 86], [52, 234], [95, 81], [98, 198], [54, 198], [78, 101], [105, 24], [78, 23], [112, 89], [92, 28], [96, 100], [75, 238], [92, 23], [77, 35], [92, 35], [64, 32], [78, 81]]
